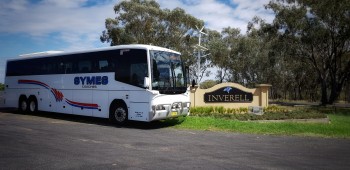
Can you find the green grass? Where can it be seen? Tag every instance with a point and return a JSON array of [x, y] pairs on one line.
[[339, 126]]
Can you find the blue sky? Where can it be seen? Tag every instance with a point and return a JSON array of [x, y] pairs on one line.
[[28, 26]]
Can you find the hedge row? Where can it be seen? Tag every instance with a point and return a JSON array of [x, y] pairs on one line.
[[270, 113]]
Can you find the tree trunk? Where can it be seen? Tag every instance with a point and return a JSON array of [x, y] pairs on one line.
[[300, 92], [324, 98], [335, 92]]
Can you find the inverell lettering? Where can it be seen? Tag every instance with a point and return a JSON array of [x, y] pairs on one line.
[[91, 80], [228, 95]]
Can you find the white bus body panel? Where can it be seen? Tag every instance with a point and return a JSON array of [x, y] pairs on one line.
[[60, 93], [74, 96]]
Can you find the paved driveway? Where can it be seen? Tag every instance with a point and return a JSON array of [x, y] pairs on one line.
[[57, 141]]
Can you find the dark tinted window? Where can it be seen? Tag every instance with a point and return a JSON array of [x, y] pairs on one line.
[[39, 66], [67, 64], [129, 65]]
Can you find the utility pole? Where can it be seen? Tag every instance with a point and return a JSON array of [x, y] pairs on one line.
[[199, 50]]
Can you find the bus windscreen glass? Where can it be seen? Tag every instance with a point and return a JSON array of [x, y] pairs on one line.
[[167, 72]]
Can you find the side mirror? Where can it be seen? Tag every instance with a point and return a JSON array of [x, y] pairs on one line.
[[146, 82], [193, 83]]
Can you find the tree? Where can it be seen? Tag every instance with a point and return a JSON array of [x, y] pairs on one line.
[[219, 54], [2, 87], [143, 22], [208, 84], [317, 33], [221, 47]]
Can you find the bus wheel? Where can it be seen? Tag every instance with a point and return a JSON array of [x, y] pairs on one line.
[[118, 113], [32, 105], [22, 104]]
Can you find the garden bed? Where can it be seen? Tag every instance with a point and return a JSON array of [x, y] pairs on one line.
[[270, 113]]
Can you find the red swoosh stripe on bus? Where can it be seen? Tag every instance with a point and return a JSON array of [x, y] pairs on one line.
[[82, 105], [33, 82], [58, 95]]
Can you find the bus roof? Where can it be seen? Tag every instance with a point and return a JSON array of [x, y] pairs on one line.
[[44, 53], [59, 53]]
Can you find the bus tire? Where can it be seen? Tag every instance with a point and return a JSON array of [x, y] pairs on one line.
[[118, 112], [32, 104], [22, 104]]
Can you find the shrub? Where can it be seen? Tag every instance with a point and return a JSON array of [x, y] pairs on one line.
[[243, 110], [271, 113], [219, 109]]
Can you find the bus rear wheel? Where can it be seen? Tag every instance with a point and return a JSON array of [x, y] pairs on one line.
[[118, 113], [32, 105], [22, 104]]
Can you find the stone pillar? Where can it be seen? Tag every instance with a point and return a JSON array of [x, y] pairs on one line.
[[193, 97], [264, 94]]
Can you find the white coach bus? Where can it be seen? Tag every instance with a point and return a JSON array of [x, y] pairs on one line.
[[126, 82]]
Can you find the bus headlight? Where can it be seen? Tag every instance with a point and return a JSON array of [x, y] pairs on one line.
[[186, 104], [160, 107], [175, 106]]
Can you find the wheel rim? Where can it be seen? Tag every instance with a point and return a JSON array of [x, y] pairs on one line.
[[32, 106], [23, 105], [120, 114]]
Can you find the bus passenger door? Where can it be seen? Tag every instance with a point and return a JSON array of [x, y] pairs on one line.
[[139, 106]]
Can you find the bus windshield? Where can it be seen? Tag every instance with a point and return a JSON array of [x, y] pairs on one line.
[[167, 72]]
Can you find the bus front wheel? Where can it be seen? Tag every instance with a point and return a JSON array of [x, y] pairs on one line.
[[118, 113]]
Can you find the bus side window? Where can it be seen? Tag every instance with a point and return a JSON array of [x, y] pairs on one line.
[[60, 67], [111, 66], [138, 72], [50, 67], [122, 72], [84, 66], [103, 65], [131, 66], [68, 67]]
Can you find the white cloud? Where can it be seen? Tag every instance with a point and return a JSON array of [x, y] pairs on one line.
[[247, 9], [77, 23], [74, 23], [13, 5], [64, 3], [218, 15]]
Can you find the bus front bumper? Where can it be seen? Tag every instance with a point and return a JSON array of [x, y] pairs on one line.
[[165, 111]]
